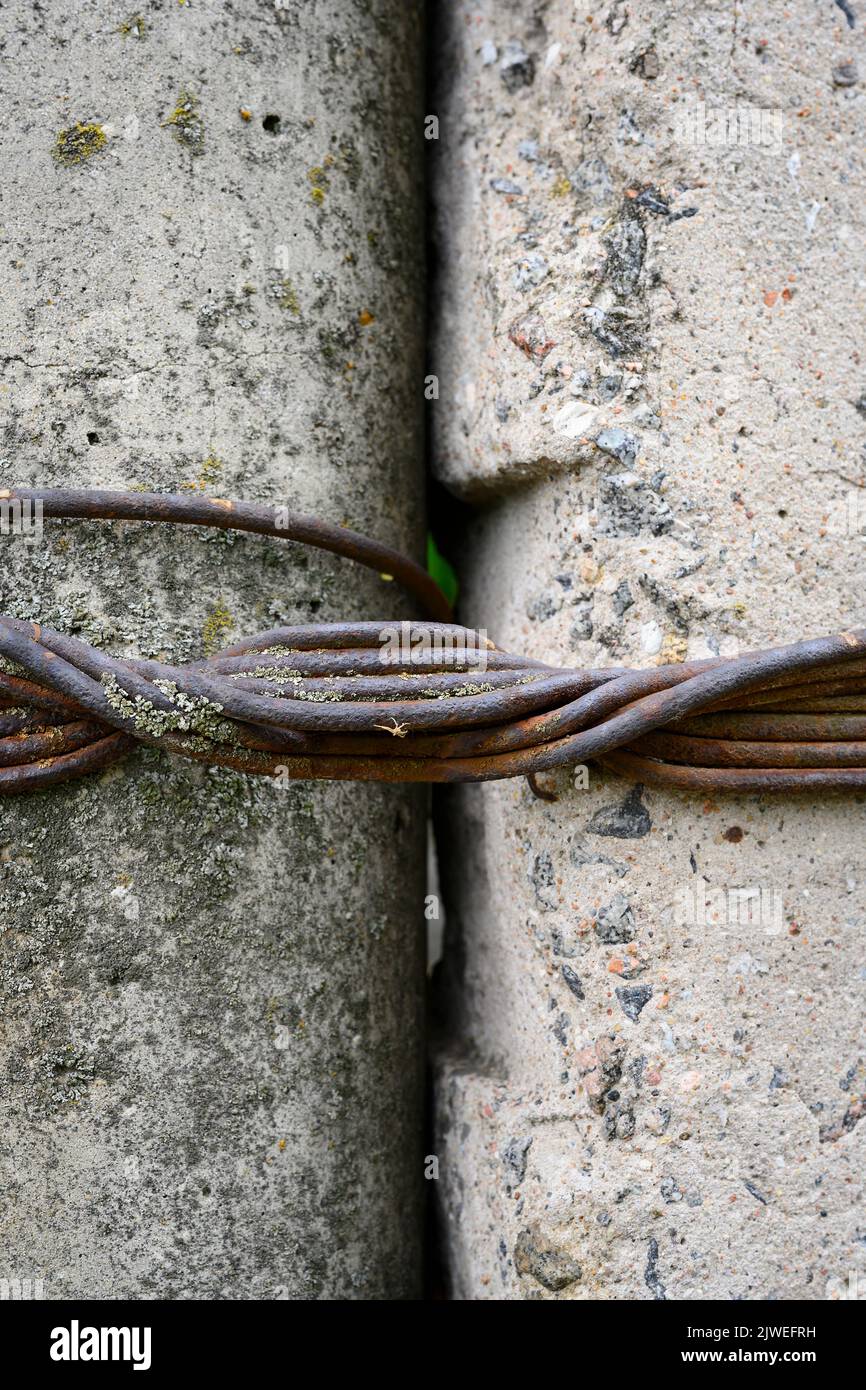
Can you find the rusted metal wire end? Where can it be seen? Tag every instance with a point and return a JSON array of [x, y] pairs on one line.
[[416, 702]]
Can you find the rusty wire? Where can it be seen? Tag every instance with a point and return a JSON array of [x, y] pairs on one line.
[[330, 701]]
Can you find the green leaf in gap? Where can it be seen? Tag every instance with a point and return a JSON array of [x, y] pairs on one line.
[[439, 569]]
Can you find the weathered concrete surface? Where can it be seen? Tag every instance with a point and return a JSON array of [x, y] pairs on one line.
[[210, 1023], [633, 1104]]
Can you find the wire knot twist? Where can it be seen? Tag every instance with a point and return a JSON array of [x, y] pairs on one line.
[[332, 700]]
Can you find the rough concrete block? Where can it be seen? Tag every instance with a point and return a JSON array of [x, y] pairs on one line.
[[650, 1086]]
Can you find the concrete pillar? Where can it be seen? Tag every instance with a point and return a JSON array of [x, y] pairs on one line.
[[650, 225], [210, 1032]]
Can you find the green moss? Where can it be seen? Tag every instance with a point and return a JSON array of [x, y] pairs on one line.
[[79, 142], [186, 123]]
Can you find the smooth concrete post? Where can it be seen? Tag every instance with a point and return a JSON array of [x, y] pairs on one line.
[[210, 1041]]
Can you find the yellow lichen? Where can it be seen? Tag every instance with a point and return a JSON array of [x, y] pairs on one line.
[[187, 124], [319, 179], [79, 142], [218, 625], [561, 186], [288, 298], [210, 471], [673, 650], [134, 25]]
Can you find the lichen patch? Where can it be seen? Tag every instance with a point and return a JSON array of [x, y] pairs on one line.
[[78, 143]]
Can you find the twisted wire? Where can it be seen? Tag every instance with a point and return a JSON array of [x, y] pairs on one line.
[[336, 701]]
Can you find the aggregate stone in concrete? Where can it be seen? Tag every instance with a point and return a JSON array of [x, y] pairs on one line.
[[651, 378]]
